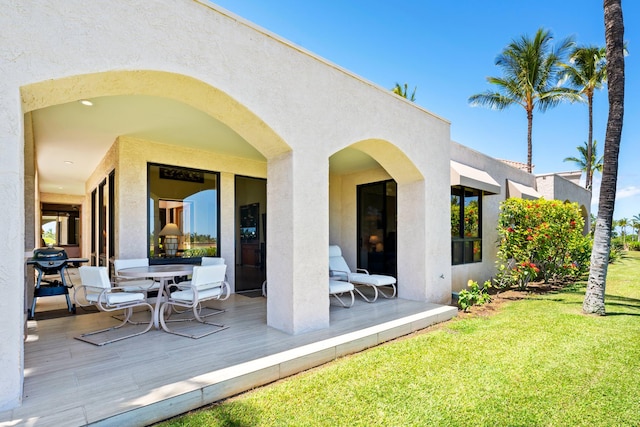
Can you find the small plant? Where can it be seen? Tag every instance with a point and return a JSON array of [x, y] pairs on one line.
[[474, 295]]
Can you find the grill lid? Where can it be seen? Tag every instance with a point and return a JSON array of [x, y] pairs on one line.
[[49, 254]]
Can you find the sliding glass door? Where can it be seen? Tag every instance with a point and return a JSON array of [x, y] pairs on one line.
[[377, 225]]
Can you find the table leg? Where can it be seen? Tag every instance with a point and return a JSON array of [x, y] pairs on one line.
[[159, 300]]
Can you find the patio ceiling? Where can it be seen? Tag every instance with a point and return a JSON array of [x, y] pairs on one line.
[[72, 138]]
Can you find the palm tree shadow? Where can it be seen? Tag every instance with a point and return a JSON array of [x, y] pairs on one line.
[[621, 302]]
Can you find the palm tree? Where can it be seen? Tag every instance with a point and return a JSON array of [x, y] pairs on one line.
[[403, 92], [623, 223], [581, 162], [614, 34], [587, 71], [635, 222], [531, 73]]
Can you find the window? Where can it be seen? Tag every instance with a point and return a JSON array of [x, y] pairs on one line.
[[466, 225], [189, 200]]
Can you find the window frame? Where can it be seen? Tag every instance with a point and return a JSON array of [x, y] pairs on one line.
[[466, 245], [188, 170]]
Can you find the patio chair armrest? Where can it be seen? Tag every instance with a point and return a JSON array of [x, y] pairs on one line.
[[339, 275], [362, 270], [117, 289], [226, 290], [82, 290]]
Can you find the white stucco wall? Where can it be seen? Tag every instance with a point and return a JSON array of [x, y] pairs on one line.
[[500, 172], [550, 186], [553, 186], [287, 103]]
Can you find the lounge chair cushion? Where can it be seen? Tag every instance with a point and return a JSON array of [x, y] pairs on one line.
[[338, 287], [204, 294], [371, 279], [115, 298]]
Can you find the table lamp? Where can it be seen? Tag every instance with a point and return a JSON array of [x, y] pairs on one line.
[[171, 233]]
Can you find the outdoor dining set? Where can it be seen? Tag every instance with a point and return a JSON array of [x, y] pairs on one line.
[[154, 287], [137, 285]]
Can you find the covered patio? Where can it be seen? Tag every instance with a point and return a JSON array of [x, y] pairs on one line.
[[218, 102], [157, 375]]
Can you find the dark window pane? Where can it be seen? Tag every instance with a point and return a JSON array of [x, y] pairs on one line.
[[477, 251], [455, 214], [457, 252], [189, 199], [471, 216], [466, 225]]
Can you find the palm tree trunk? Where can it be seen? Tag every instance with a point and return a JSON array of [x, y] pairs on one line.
[[614, 33], [589, 182], [529, 144]]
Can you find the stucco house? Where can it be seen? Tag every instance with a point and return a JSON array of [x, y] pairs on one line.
[[200, 118]]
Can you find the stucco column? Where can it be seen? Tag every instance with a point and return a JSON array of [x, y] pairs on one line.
[[12, 260], [227, 235], [297, 247], [424, 246]]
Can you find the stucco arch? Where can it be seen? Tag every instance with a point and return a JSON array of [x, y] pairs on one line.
[[178, 87], [587, 221], [397, 164]]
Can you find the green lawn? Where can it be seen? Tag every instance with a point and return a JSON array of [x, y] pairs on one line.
[[536, 362]]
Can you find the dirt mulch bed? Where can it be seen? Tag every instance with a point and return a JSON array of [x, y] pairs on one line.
[[499, 298]]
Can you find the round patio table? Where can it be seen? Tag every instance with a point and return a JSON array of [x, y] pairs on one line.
[[164, 273]]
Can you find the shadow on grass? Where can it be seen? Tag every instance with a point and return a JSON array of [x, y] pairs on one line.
[[226, 413], [634, 302], [622, 313]]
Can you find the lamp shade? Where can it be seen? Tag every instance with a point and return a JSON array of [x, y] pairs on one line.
[[170, 229]]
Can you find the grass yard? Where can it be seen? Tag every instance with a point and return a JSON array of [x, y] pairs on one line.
[[535, 361]]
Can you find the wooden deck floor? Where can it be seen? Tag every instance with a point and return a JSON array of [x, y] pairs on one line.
[[157, 375]]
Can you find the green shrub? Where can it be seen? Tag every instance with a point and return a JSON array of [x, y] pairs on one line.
[[616, 251], [634, 246], [473, 295], [196, 252], [540, 239]]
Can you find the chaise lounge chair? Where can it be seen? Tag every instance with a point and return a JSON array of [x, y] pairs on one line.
[[339, 270], [337, 288]]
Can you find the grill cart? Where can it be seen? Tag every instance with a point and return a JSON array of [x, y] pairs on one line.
[[51, 261]]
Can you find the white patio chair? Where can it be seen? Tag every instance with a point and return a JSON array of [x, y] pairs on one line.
[[338, 288], [207, 283], [212, 260], [96, 290], [134, 285], [339, 270]]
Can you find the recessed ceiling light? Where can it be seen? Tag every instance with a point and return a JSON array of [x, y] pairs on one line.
[[86, 102]]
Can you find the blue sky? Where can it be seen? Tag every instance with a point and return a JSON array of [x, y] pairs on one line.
[[447, 49]]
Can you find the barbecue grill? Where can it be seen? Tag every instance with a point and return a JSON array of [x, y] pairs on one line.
[[47, 262]]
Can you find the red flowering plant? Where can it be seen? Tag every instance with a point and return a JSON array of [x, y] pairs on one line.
[[540, 240]]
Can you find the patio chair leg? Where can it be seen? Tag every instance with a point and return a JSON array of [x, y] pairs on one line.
[[367, 299], [393, 293], [353, 298], [200, 308], [200, 319], [127, 316]]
